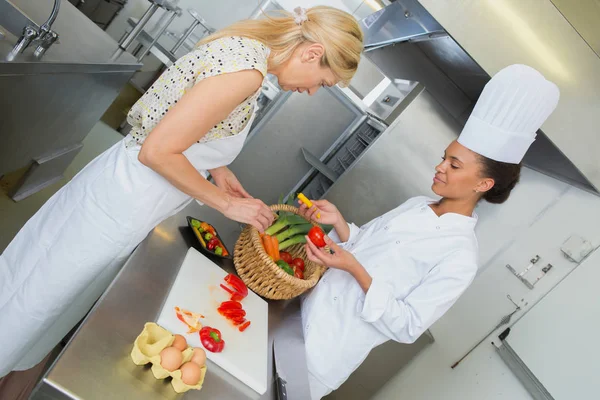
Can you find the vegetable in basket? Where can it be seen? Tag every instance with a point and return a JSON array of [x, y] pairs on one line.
[[285, 266], [285, 256], [271, 246]]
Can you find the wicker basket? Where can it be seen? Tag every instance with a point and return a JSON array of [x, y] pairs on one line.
[[262, 275]]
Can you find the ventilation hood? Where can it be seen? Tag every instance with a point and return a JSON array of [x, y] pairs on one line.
[[406, 42], [398, 22]]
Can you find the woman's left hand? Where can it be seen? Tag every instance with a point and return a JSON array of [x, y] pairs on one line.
[[229, 183], [340, 259]]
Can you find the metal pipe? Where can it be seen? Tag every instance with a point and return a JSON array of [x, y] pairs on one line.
[[45, 28], [158, 35], [127, 40], [185, 35], [29, 34]]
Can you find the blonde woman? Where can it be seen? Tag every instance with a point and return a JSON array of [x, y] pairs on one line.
[[191, 122]]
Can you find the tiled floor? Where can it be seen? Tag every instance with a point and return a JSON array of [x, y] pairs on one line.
[[14, 215]]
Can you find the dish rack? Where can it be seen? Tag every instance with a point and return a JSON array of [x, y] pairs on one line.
[[334, 165]]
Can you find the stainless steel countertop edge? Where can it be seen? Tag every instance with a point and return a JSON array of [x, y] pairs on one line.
[[31, 68]]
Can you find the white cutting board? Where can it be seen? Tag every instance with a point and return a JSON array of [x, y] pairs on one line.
[[197, 289]]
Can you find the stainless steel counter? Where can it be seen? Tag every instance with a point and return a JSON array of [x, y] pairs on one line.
[[96, 362], [51, 103], [81, 47]]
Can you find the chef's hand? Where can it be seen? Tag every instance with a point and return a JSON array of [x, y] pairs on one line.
[[330, 215], [249, 211], [229, 183], [340, 259]]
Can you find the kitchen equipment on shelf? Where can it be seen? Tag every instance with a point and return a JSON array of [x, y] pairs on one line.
[[263, 275], [197, 289]]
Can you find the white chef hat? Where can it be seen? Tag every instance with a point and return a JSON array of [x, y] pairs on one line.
[[512, 107]]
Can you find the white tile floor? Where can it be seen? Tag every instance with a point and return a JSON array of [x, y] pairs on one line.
[[14, 215]]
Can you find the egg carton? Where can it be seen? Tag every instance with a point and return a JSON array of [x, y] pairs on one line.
[[147, 348]]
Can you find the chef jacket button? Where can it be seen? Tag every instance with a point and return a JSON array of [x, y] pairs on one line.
[[335, 299], [423, 208], [397, 242], [386, 228], [437, 227]]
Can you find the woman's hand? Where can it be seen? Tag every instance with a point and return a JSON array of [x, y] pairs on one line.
[[249, 211], [340, 259], [330, 215], [229, 183]]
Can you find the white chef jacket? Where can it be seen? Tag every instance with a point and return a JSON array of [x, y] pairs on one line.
[[420, 264]]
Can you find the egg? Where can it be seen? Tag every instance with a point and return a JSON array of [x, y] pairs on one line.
[[190, 373], [199, 357], [171, 358], [179, 343]]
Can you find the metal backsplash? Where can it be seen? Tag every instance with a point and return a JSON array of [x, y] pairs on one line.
[[456, 80]]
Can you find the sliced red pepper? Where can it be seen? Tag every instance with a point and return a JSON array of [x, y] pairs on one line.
[[229, 305], [238, 321], [211, 339], [237, 284], [231, 292], [232, 313], [192, 320], [237, 297], [244, 326], [180, 317]]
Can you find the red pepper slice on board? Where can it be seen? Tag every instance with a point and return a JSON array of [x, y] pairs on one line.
[[191, 319], [238, 321], [244, 326], [228, 305], [237, 284], [237, 297], [232, 313], [231, 292], [211, 339]]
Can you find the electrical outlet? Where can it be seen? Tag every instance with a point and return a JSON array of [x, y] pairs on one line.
[[576, 248]]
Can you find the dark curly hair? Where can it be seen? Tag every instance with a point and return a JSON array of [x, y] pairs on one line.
[[505, 176]]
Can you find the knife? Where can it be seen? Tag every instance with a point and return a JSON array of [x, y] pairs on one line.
[[291, 372]]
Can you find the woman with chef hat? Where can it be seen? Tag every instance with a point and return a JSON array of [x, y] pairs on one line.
[[392, 278], [193, 121]]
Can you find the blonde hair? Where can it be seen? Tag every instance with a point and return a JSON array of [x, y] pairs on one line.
[[337, 31]]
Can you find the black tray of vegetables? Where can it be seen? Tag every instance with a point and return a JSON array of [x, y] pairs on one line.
[[207, 235]]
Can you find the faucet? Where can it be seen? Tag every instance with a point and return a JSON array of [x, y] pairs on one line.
[[43, 36]]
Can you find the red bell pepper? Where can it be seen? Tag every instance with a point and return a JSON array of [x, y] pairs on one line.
[[244, 326], [211, 339], [191, 319], [231, 313], [236, 284], [228, 305], [237, 297]]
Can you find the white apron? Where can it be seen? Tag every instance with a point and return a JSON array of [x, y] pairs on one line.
[[83, 233]]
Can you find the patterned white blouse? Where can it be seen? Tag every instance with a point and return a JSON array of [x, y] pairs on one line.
[[221, 56]]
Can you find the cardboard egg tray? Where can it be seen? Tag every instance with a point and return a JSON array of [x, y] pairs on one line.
[[147, 348]]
